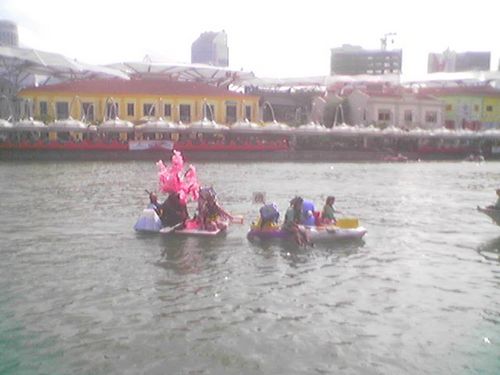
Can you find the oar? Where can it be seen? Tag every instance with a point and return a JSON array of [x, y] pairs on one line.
[[167, 230]]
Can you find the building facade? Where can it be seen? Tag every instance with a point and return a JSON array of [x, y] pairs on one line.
[[469, 107], [210, 48], [354, 60], [451, 61], [136, 99], [403, 110]]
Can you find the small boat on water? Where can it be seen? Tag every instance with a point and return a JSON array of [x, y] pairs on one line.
[[150, 222], [399, 158], [493, 213], [345, 229]]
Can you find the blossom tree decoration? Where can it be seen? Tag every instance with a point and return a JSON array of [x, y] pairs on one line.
[[172, 179]]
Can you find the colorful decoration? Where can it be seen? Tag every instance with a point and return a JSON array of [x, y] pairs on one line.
[[172, 178]]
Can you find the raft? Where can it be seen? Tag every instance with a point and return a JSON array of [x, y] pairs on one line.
[[346, 229], [149, 222]]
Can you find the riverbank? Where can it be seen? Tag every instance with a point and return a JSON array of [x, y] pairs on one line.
[[277, 156]]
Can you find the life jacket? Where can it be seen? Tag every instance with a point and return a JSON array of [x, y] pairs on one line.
[[269, 212]]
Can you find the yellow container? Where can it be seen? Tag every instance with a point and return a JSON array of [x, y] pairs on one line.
[[347, 222]]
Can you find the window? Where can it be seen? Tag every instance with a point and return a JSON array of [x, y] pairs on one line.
[[489, 108], [88, 111], [408, 115], [230, 113], [44, 109], [167, 110], [130, 109], [148, 109], [62, 110], [112, 110], [431, 117], [185, 113], [248, 112], [384, 115], [476, 108]]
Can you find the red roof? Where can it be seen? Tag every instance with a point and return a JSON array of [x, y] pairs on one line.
[[135, 87]]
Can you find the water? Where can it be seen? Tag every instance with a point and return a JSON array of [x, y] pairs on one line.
[[82, 293]]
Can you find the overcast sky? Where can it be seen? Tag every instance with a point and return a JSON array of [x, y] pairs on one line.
[[271, 38]]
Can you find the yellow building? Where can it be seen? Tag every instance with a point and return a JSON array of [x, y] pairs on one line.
[[135, 99]]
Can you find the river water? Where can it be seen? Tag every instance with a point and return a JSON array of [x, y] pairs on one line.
[[82, 293]]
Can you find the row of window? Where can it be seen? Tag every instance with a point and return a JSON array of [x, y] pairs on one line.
[[384, 115], [148, 110], [489, 108]]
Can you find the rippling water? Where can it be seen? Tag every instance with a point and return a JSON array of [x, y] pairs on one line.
[[82, 293]]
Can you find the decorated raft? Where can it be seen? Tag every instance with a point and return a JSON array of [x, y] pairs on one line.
[[181, 183]]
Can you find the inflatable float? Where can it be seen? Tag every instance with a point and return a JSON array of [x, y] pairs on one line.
[[493, 213], [149, 222], [344, 229]]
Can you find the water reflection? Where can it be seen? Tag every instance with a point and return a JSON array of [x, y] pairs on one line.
[[295, 255], [186, 255]]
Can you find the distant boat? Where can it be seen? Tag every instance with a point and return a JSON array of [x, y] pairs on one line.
[[399, 158]]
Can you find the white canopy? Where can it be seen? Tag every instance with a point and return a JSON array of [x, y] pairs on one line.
[[207, 124], [156, 125], [29, 124], [18, 63], [116, 125], [215, 75], [67, 125]]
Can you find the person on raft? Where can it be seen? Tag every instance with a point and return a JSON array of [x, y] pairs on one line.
[[154, 204], [293, 217], [173, 211], [211, 216], [328, 213]]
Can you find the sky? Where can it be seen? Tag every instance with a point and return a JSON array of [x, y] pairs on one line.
[[276, 39]]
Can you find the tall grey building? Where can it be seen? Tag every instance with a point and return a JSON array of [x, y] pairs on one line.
[[211, 48], [8, 34], [354, 60], [451, 61]]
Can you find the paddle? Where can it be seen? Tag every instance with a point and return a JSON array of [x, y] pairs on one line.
[[167, 230]]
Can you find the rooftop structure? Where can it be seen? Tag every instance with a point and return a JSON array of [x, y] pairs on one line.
[[8, 34], [210, 48], [451, 61], [354, 60]]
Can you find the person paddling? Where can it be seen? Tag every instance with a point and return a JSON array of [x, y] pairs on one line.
[[293, 217]]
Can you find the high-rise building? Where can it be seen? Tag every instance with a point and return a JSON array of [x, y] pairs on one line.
[[451, 61], [354, 60], [8, 34], [211, 48]]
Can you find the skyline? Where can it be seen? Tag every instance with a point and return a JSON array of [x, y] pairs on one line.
[[267, 38]]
